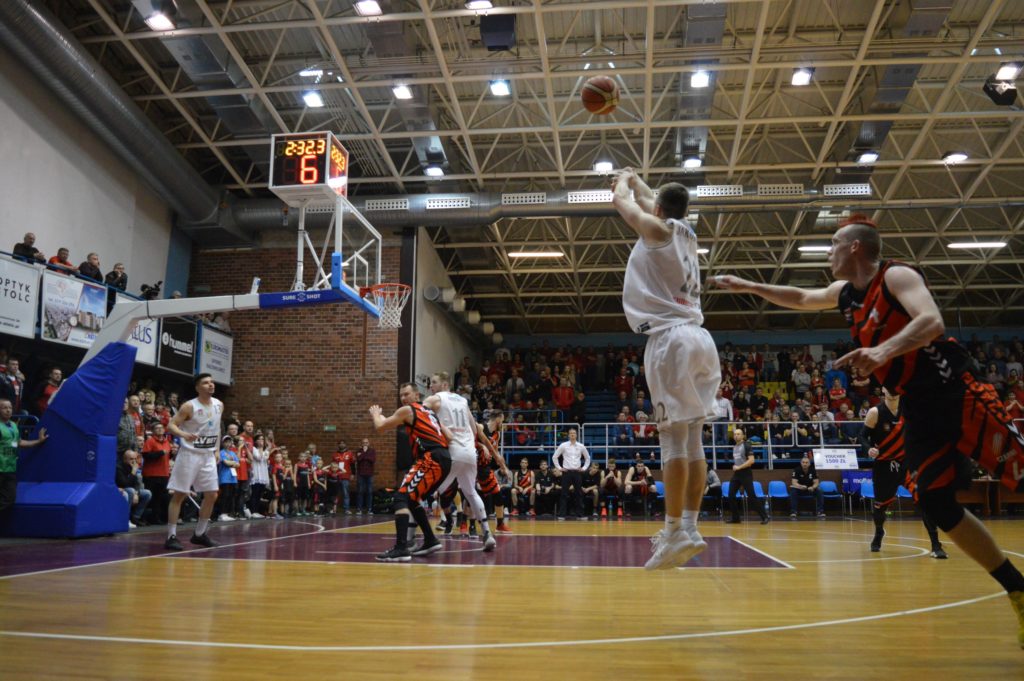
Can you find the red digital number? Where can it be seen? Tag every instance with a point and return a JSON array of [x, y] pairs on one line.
[[308, 171]]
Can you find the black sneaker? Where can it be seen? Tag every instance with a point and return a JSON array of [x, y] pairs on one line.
[[203, 540], [426, 549], [172, 544], [765, 520], [396, 554], [939, 553], [449, 527], [876, 543]]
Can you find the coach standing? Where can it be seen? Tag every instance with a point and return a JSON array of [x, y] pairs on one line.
[[572, 459]]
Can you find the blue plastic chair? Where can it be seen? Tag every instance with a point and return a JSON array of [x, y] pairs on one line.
[[867, 493], [901, 494], [830, 491], [776, 490]]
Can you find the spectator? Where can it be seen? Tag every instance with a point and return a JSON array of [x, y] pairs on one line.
[[592, 489], [563, 395], [759, 403], [150, 419], [837, 395], [515, 384], [10, 441], [61, 262], [156, 470], [240, 508], [12, 384], [125, 429], [624, 381], [522, 488], [116, 278], [227, 474], [346, 461], [805, 483], [91, 268], [722, 414], [45, 392], [578, 409], [27, 251], [747, 377], [645, 434], [260, 476], [800, 379], [366, 458], [128, 479]]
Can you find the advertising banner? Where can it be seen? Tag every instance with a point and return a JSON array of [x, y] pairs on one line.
[[144, 337], [215, 355], [835, 459], [177, 350], [73, 311], [19, 298]]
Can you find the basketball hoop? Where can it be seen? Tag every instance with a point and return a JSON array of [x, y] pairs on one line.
[[390, 299]]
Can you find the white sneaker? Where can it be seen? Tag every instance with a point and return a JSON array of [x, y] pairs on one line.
[[247, 513], [131, 525], [258, 516], [698, 541], [670, 550], [224, 518]]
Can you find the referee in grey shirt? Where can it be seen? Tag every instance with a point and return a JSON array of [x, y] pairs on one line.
[[571, 458]]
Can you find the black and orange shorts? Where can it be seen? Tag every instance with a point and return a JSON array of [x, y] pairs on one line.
[[887, 475], [949, 428], [486, 482], [426, 475]]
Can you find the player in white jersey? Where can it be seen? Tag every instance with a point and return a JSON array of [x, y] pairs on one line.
[[661, 298], [453, 411], [197, 423]]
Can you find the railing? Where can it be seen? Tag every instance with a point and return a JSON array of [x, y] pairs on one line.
[[770, 443]]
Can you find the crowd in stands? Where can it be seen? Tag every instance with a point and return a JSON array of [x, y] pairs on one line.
[[786, 396], [258, 477]]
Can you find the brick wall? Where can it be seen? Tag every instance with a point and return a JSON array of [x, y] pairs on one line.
[[309, 358]]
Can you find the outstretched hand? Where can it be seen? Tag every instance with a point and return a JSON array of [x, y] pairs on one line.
[[727, 282], [43, 437], [375, 410]]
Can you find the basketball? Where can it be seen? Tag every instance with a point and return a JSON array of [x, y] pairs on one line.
[[600, 95]]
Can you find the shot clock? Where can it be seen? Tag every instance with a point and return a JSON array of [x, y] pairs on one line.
[[308, 166]]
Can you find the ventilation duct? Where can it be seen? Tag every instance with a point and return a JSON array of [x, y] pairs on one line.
[[207, 63], [704, 27], [56, 58]]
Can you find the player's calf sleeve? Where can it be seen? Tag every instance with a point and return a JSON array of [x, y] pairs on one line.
[[419, 514], [878, 515]]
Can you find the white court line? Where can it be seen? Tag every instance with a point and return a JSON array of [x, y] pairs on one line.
[[921, 552], [171, 554], [766, 555], [492, 646]]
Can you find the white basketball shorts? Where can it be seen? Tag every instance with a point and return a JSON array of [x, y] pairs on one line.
[[683, 373], [193, 470]]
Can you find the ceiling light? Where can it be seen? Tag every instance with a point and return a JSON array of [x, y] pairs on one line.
[[700, 79], [500, 88], [814, 249], [368, 8], [1009, 70], [159, 22], [434, 171], [536, 254], [402, 92], [604, 166], [311, 73], [802, 76], [954, 157], [479, 4], [867, 157], [977, 244], [691, 162], [703, 251], [313, 99]]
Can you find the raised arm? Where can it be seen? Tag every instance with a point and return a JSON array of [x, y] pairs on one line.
[[786, 296], [652, 230], [401, 417], [642, 194]]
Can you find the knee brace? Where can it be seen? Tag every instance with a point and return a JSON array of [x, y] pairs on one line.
[[401, 501], [941, 507]]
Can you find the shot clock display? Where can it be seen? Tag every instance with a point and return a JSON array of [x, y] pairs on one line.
[[308, 166]]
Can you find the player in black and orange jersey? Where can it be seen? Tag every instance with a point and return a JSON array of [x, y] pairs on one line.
[[428, 439], [950, 415], [490, 460], [882, 436]]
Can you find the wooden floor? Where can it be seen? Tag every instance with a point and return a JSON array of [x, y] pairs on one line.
[[301, 603]]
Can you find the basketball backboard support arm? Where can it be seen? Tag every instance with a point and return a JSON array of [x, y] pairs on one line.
[[126, 314]]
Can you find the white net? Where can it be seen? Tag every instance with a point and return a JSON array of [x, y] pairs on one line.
[[390, 300]]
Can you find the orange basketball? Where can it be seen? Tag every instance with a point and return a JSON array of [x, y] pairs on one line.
[[600, 95]]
